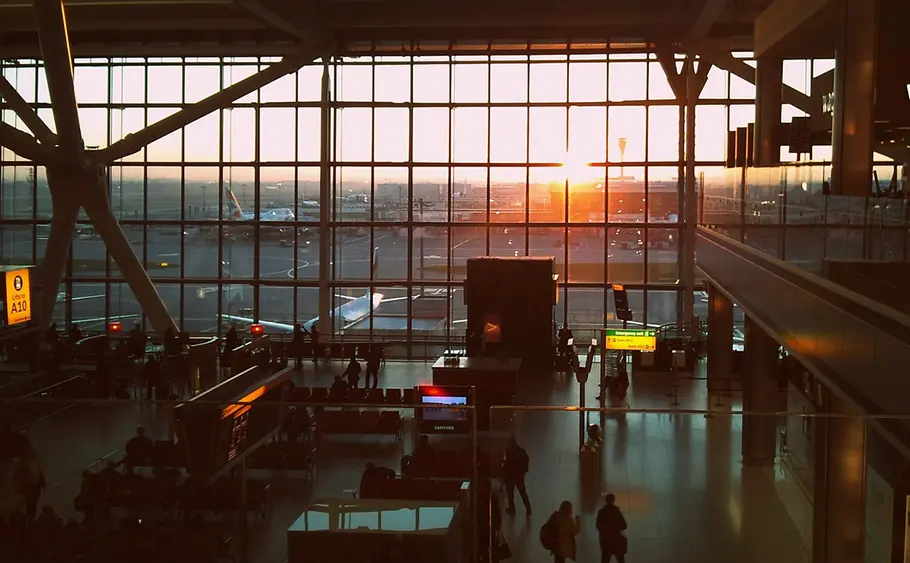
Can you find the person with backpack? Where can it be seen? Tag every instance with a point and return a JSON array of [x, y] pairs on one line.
[[610, 527], [558, 534], [514, 468]]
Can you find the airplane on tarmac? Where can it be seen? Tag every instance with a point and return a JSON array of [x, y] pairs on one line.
[[237, 213], [354, 310]]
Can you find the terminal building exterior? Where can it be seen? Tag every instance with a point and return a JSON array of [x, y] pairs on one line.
[[737, 164]]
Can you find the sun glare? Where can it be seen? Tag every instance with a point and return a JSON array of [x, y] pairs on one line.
[[577, 170]]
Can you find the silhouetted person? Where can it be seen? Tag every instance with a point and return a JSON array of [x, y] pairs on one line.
[[352, 372], [137, 339], [567, 527], [423, 456], [374, 360], [31, 481], [153, 380], [339, 387], [51, 337], [139, 449], [297, 345], [610, 527], [514, 468], [314, 339], [374, 479]]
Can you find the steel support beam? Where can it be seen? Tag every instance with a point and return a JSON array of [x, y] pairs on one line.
[[25, 145], [59, 242], [325, 207], [25, 112], [96, 204], [58, 66], [728, 62], [135, 142], [694, 82]]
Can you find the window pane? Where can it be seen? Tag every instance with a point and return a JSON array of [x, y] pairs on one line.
[[239, 134], [710, 133], [625, 258], [627, 195], [467, 242], [431, 135], [89, 301], [274, 304], [663, 194], [201, 82], [587, 136], [549, 82], [508, 82], [627, 123], [391, 143], [548, 194], [277, 134], [354, 134], [507, 195], [663, 133], [165, 84], [662, 307], [508, 134], [431, 83], [469, 194], [164, 183], [586, 255], [354, 83], [309, 124], [351, 194], [658, 83], [90, 83], [628, 81], [547, 134], [588, 82], [470, 83], [393, 83], [391, 263], [469, 135], [636, 305], [431, 195], [663, 253], [585, 312], [201, 137], [200, 308]]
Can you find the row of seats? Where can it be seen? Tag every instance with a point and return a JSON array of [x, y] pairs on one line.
[[357, 395], [329, 351], [358, 422]]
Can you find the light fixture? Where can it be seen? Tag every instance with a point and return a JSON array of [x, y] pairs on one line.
[[256, 329]]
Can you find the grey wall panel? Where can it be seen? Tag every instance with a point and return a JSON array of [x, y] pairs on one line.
[[858, 347]]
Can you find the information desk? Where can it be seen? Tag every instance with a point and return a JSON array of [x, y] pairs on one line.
[[344, 530], [495, 382]]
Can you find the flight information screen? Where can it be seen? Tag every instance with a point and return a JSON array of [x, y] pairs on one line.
[[444, 408]]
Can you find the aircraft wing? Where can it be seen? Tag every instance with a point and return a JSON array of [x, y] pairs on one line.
[[268, 324]]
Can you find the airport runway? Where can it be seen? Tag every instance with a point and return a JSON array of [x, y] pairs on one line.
[[278, 263]]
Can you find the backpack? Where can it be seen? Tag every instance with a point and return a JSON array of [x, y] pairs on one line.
[[549, 533]]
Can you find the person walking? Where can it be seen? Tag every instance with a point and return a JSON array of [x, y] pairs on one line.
[[610, 527], [558, 533], [515, 466]]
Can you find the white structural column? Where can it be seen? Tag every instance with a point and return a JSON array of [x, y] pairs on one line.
[[692, 91]]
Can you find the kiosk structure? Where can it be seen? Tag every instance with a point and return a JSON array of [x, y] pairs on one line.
[[495, 381]]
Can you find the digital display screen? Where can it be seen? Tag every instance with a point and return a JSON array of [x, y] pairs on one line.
[[444, 411]]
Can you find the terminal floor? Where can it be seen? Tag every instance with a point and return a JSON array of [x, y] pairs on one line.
[[678, 478]]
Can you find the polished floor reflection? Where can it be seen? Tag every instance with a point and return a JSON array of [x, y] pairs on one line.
[[678, 478]]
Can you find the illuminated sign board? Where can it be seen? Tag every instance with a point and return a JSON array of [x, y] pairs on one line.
[[18, 297], [630, 339]]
